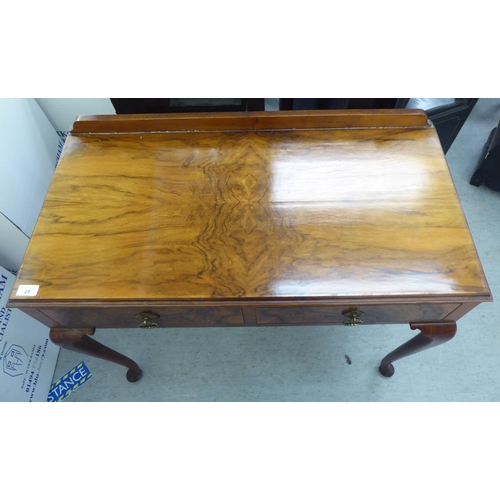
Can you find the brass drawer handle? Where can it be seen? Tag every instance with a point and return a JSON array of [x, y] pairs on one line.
[[147, 320], [353, 318]]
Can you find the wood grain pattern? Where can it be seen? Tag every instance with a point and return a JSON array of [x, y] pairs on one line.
[[335, 315], [270, 120], [223, 316], [367, 211], [110, 317], [251, 218]]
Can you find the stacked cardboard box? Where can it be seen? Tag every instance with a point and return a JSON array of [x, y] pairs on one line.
[[27, 356], [28, 155]]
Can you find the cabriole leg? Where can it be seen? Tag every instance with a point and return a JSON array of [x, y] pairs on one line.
[[431, 334], [77, 339]]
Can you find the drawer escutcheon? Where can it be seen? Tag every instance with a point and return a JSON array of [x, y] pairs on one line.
[[147, 320], [353, 318]]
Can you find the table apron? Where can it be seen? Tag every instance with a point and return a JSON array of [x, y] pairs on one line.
[[248, 315]]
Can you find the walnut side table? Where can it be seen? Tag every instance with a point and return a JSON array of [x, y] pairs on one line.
[[232, 219]]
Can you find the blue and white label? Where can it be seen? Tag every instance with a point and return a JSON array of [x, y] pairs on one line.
[[68, 383]]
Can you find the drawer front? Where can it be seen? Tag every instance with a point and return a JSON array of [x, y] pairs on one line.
[[162, 317], [317, 315]]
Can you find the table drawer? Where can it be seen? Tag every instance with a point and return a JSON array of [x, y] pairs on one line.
[[315, 315], [163, 317]]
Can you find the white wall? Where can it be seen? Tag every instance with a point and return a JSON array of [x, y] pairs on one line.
[[28, 152], [63, 112]]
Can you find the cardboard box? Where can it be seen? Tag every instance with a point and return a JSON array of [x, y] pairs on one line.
[[13, 244], [28, 155], [27, 356]]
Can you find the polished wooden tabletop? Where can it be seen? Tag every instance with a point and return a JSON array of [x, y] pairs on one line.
[[252, 206]]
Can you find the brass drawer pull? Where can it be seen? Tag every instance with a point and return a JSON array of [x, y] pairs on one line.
[[353, 318], [147, 320]]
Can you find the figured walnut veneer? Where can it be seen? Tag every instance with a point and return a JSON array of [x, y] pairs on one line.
[[251, 218]]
